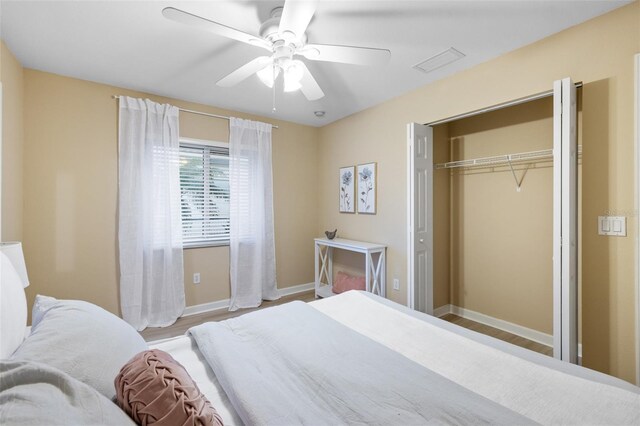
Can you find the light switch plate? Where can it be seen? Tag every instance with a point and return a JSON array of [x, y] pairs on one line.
[[615, 226]]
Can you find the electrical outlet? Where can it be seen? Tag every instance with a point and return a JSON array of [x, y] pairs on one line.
[[196, 278], [396, 284]]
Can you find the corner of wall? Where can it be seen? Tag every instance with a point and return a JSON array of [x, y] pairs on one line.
[[11, 182]]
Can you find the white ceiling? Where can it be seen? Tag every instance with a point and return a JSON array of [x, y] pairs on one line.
[[130, 44]]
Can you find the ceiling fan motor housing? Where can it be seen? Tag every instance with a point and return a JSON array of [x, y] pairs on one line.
[[283, 50], [270, 30]]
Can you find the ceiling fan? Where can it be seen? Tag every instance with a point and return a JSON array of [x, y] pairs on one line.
[[283, 35]]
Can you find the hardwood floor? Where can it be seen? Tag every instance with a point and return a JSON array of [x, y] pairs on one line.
[[499, 334], [184, 323]]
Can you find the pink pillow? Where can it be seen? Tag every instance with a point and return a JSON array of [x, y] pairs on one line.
[[346, 282], [155, 389]]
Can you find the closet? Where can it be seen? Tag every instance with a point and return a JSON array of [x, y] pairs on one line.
[[494, 217]]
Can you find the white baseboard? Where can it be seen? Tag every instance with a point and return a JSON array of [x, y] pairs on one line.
[[442, 311], [206, 307], [224, 304], [301, 288], [518, 330]]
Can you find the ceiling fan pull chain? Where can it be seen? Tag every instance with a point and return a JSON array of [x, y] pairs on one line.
[[273, 108], [273, 105]]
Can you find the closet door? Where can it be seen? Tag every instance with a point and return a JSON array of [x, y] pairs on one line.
[[0, 161], [565, 263], [420, 217]]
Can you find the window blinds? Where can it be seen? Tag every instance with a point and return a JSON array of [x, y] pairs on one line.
[[204, 195]]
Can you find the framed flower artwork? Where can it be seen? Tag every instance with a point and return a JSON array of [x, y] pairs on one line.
[[347, 189], [367, 188]]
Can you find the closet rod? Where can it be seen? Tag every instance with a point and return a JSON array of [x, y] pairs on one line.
[[224, 117], [497, 107], [500, 160]]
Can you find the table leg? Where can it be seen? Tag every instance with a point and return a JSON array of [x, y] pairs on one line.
[[383, 278], [367, 268], [378, 274], [330, 276], [316, 270]]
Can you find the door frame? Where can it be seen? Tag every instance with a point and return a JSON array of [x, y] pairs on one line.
[[637, 209], [565, 307]]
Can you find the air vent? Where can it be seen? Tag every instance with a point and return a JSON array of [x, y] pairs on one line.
[[439, 60]]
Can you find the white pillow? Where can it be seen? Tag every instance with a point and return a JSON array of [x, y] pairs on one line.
[[37, 394], [13, 308], [81, 339]]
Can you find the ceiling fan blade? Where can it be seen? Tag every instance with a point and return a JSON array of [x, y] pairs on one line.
[[309, 85], [345, 54], [244, 71], [187, 18], [296, 16]]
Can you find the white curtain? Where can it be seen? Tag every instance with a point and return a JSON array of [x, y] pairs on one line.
[[252, 247], [149, 222]]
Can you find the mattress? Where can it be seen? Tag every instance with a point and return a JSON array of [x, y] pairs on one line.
[[487, 366]]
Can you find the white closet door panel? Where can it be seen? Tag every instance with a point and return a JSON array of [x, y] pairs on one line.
[[565, 265], [421, 200], [569, 223], [420, 217], [557, 219]]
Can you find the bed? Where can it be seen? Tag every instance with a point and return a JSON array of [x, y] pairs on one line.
[[354, 358], [538, 388]]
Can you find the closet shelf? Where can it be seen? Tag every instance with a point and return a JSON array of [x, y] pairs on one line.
[[502, 160]]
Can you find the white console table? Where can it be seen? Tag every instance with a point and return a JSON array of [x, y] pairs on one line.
[[375, 271]]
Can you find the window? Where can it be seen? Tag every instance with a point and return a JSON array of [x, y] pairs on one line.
[[204, 194]]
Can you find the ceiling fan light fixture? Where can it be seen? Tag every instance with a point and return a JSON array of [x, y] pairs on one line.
[[291, 86], [294, 71], [268, 75], [293, 75]]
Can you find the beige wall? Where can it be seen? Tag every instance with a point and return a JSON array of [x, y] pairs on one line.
[[70, 193], [442, 210], [11, 75], [599, 53], [502, 239]]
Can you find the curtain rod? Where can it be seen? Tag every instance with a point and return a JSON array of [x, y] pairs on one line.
[[224, 117], [497, 107]]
